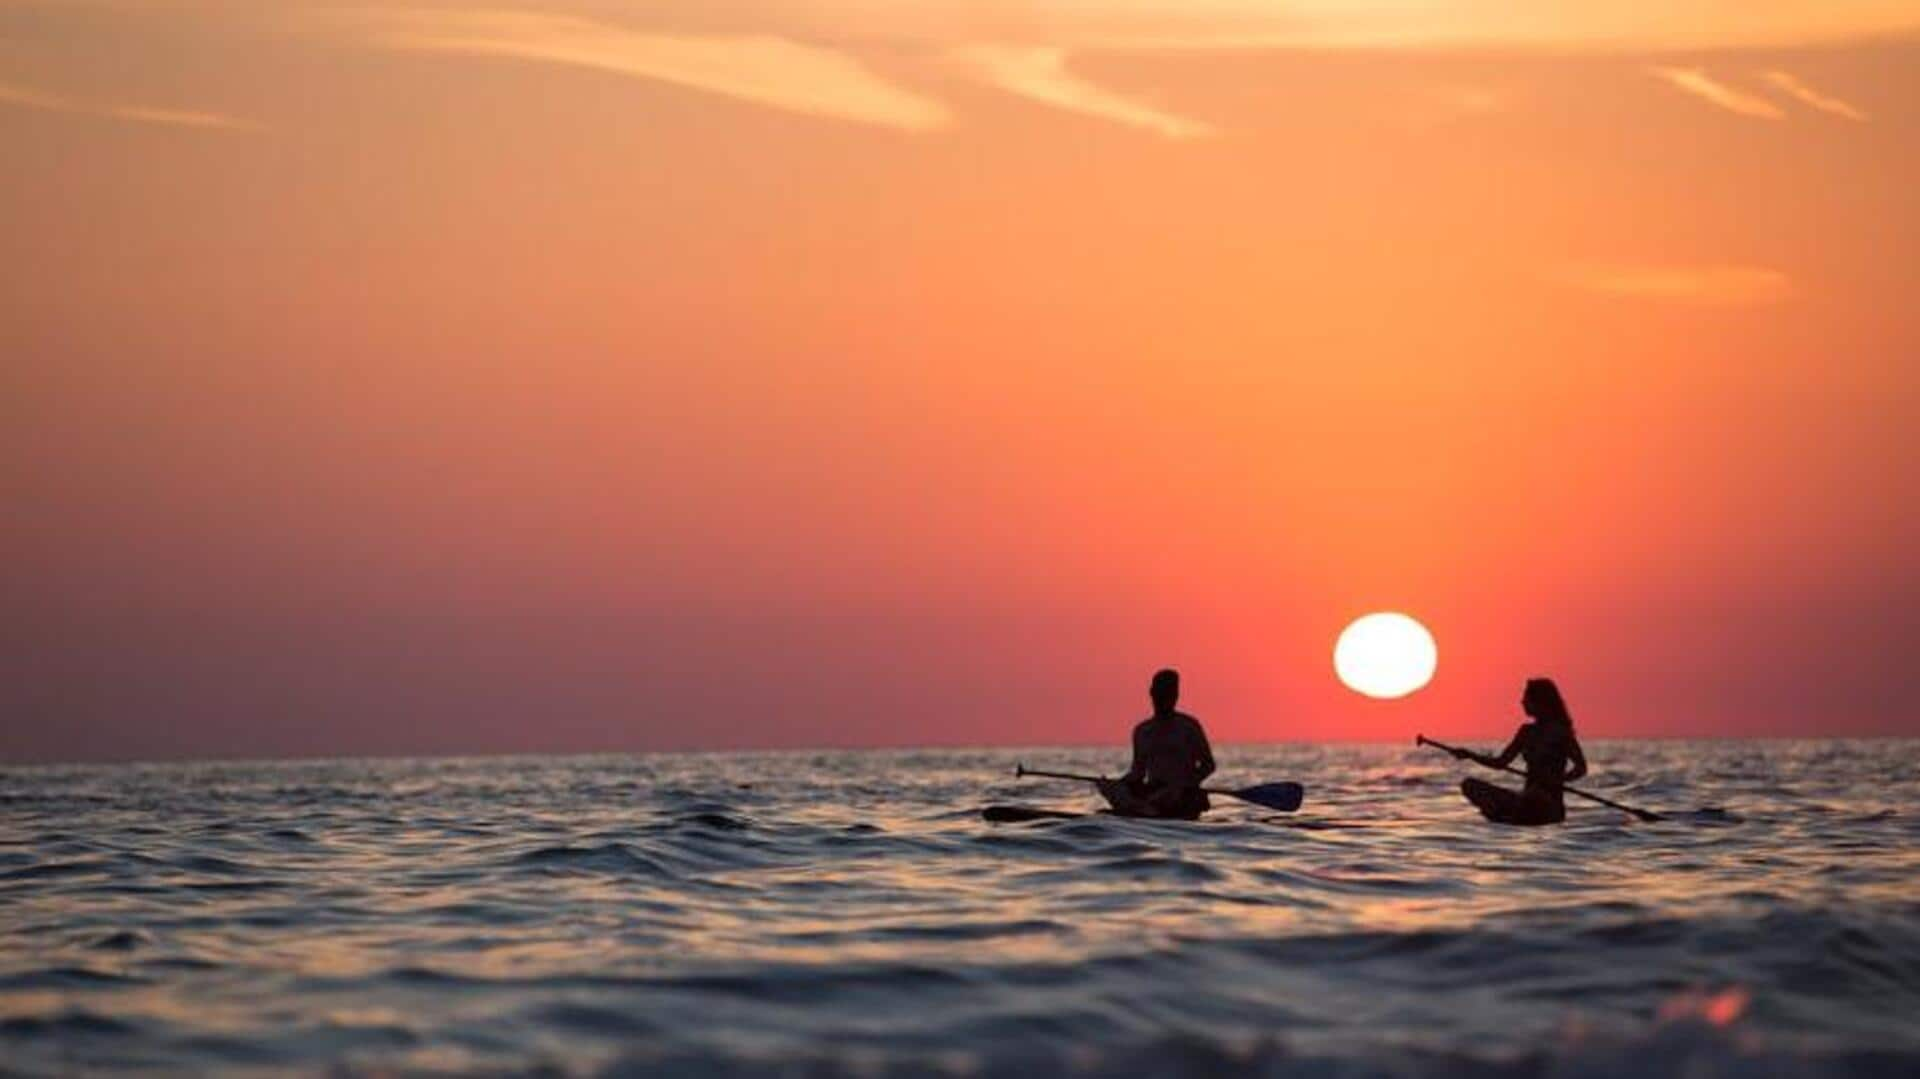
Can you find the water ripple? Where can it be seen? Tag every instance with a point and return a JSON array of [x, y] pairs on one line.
[[850, 914]]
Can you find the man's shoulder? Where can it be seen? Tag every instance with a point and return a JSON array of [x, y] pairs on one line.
[[1176, 721]]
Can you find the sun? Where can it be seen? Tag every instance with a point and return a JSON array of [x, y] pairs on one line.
[[1385, 655]]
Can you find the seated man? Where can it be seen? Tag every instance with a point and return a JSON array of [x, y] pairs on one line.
[[1171, 758]]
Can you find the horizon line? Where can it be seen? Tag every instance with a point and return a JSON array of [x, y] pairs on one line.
[[326, 758]]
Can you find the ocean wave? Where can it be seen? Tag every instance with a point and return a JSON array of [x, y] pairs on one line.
[[616, 858], [840, 914], [1678, 1053]]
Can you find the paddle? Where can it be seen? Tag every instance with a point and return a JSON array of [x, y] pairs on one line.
[[1284, 797], [1423, 740]]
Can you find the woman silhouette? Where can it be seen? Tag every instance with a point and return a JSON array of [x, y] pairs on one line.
[[1553, 757]]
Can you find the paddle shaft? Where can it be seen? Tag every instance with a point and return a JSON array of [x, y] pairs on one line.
[[1641, 813], [1023, 770]]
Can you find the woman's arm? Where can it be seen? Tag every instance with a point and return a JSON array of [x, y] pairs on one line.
[[1577, 760], [1506, 756]]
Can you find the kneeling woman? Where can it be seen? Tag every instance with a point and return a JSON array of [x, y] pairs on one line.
[[1553, 758]]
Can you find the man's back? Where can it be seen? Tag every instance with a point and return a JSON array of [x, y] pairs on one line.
[[1171, 758], [1171, 750]]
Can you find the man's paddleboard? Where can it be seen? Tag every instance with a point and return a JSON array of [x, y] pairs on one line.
[[1016, 814]]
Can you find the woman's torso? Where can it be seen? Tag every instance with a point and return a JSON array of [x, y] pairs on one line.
[[1546, 750]]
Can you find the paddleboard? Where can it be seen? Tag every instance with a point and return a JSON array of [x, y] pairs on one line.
[[1016, 814]]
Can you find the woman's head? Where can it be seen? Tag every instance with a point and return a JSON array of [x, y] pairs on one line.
[[1542, 701]]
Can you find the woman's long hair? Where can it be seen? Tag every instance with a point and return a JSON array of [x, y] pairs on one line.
[[1543, 702]]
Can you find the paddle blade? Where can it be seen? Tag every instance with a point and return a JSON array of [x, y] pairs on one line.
[[1284, 797]]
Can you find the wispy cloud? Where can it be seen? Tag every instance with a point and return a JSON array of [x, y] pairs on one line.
[[1697, 82], [1713, 284], [1041, 74], [1793, 87], [30, 98], [1596, 26], [763, 69], [1591, 26]]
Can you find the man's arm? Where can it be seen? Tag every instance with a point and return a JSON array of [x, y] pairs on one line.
[[1119, 793], [1137, 771], [1202, 751]]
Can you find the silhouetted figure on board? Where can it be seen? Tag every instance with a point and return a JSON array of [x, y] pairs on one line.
[[1171, 758], [1553, 757]]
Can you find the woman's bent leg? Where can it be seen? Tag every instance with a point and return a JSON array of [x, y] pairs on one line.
[[1497, 804]]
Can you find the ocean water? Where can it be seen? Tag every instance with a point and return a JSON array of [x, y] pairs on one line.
[[849, 913]]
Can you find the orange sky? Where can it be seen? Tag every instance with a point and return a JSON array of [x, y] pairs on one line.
[[420, 377]]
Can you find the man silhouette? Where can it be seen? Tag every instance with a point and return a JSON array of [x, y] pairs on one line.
[[1171, 758]]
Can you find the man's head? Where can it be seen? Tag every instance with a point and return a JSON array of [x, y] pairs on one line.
[[1165, 690]]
